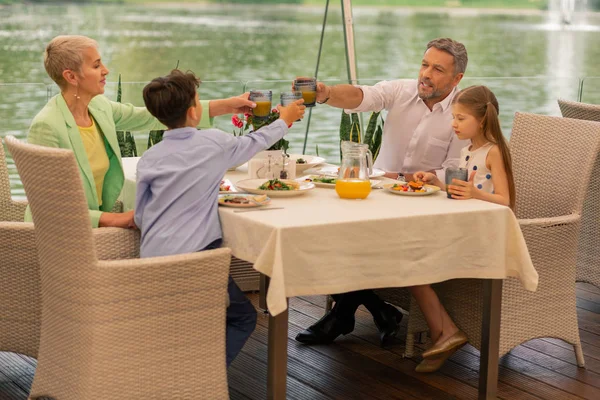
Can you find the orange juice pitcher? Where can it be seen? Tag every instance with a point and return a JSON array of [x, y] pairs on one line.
[[357, 165]]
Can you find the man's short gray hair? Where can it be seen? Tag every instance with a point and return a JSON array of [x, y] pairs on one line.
[[455, 49], [65, 52]]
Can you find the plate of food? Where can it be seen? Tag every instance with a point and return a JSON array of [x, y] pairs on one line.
[[243, 200], [226, 187], [411, 188], [334, 171], [304, 162], [275, 187], [324, 181]]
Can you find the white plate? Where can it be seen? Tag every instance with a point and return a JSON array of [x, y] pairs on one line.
[[323, 184], [225, 183], [430, 189], [333, 171], [251, 186], [253, 201], [311, 162]]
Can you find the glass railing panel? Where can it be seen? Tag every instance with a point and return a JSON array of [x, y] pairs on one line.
[[19, 103], [536, 95], [590, 90]]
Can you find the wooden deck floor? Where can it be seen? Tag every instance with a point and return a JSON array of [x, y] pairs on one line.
[[355, 367]]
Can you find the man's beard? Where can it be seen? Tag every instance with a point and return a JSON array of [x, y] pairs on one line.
[[435, 92]]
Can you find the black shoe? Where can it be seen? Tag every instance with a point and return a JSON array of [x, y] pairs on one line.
[[387, 320], [325, 330]]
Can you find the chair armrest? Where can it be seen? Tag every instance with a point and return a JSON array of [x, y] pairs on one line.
[[161, 280], [18, 225], [550, 222], [116, 243], [14, 210]]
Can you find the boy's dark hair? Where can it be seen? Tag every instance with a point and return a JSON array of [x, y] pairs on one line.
[[169, 97]]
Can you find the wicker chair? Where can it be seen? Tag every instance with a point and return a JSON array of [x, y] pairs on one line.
[[10, 210], [576, 110], [20, 300], [588, 257], [549, 213], [20, 297], [150, 328]]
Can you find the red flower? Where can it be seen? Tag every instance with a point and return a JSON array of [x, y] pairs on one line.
[[276, 111], [290, 125], [235, 120]]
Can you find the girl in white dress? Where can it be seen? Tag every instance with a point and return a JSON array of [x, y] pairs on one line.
[[475, 117]]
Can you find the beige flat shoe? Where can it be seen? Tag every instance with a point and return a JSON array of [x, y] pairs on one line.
[[456, 340], [432, 364]]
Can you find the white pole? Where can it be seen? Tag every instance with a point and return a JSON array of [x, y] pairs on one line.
[[349, 41]]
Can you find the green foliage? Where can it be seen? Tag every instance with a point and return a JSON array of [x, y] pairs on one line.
[[355, 134], [350, 130], [155, 137], [125, 139], [345, 127], [258, 123], [374, 133]]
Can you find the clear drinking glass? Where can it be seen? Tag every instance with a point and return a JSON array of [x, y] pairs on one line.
[[455, 173], [287, 98], [263, 99], [308, 88]]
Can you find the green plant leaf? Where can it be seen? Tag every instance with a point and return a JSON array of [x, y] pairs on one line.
[[127, 145], [345, 127], [371, 126], [130, 141], [155, 137], [355, 130], [119, 90], [376, 145], [317, 150], [281, 144]]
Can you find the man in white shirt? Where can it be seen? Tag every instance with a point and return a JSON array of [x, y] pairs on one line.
[[417, 136]]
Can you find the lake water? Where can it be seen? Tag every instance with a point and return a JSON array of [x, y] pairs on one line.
[[528, 60]]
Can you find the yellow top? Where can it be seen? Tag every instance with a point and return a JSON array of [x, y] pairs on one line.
[[93, 142]]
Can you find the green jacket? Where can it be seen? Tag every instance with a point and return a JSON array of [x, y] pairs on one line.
[[54, 126]]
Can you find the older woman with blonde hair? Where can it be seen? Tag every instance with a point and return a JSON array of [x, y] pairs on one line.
[[80, 120]]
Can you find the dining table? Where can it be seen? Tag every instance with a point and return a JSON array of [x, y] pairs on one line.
[[316, 243]]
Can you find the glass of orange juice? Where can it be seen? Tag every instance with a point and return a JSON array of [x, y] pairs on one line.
[[262, 98], [308, 88]]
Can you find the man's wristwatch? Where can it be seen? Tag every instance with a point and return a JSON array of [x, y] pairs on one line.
[[327, 99]]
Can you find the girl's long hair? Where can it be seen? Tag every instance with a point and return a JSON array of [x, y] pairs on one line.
[[483, 105]]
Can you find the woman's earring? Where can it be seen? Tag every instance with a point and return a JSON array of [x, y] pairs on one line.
[[77, 93]]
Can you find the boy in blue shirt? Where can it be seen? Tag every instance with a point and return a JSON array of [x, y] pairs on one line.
[[178, 183]]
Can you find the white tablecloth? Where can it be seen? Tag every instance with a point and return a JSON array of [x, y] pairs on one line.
[[321, 244]]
